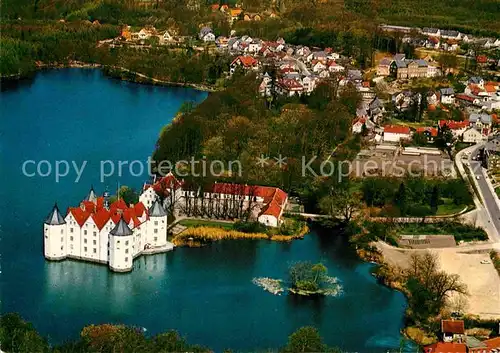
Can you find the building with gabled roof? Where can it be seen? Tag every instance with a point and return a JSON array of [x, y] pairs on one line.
[[104, 232]]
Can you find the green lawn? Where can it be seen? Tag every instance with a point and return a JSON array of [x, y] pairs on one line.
[[202, 223], [497, 190], [449, 208]]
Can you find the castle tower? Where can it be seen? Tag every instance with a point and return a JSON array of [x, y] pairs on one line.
[[157, 225], [54, 231], [92, 197], [120, 247]]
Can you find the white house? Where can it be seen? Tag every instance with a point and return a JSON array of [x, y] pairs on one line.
[[471, 135], [206, 34], [447, 95], [318, 66], [396, 133]]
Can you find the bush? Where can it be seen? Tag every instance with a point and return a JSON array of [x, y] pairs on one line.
[[250, 227]]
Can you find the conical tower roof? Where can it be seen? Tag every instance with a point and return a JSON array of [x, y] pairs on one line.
[[157, 210], [55, 218], [121, 229], [92, 197]]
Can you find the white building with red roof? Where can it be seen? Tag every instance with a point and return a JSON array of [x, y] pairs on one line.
[[246, 62], [396, 133], [264, 204], [109, 233]]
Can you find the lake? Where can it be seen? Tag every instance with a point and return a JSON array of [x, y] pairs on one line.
[[207, 293]]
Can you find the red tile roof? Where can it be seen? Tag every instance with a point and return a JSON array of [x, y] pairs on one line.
[[274, 198], [397, 129], [442, 347], [454, 125], [246, 61], [432, 130], [465, 97], [452, 326], [493, 343], [482, 59]]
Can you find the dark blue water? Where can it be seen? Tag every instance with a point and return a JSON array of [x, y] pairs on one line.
[[206, 294]]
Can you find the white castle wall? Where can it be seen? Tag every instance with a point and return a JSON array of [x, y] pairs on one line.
[[120, 253], [73, 236], [55, 241]]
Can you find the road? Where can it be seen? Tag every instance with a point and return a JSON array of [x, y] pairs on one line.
[[487, 194]]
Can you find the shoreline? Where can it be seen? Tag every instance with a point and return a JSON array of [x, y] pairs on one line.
[[107, 70], [200, 236]]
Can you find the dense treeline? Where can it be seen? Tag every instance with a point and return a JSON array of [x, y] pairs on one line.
[[417, 197], [238, 125], [19, 336], [22, 45]]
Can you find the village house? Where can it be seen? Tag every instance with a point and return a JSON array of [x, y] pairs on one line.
[[446, 347], [396, 133], [447, 95], [457, 127], [206, 34], [358, 123], [429, 132], [481, 122], [234, 14], [334, 67], [309, 83], [431, 32], [289, 87], [318, 66], [376, 109], [453, 330], [384, 67], [402, 101], [245, 62], [265, 87], [472, 135], [251, 17], [147, 32]]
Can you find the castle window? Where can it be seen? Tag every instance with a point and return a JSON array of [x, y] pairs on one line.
[[126, 259], [62, 247], [156, 238], [71, 230], [62, 231], [156, 231], [94, 242], [126, 251], [71, 238], [95, 234], [117, 242], [85, 232], [62, 239], [95, 251], [71, 247], [156, 223], [85, 249], [85, 241], [126, 243]]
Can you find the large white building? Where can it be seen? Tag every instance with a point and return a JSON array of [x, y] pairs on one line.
[[264, 204], [113, 234], [116, 233]]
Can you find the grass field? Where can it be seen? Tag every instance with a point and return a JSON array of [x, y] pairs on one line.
[[191, 223], [449, 208]]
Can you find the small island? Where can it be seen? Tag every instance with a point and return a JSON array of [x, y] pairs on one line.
[[310, 279]]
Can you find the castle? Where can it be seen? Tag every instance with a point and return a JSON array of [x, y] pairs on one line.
[[109, 233], [116, 233]]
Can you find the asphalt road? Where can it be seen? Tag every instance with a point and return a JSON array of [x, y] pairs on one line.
[[487, 194]]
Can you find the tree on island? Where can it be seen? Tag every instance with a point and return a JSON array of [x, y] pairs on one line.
[[307, 278]]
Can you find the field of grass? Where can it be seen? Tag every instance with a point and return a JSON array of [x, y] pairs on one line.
[[449, 208], [192, 223]]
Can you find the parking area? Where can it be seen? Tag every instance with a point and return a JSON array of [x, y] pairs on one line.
[[388, 160]]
